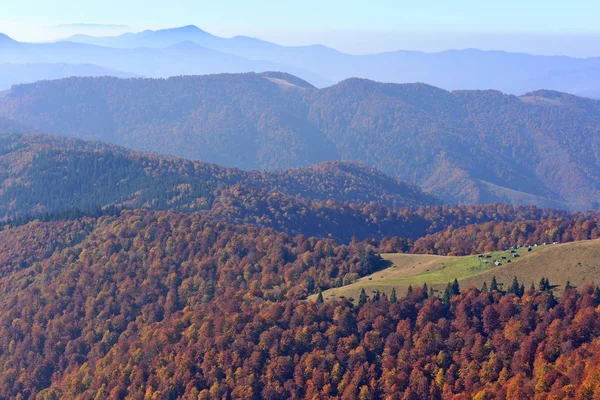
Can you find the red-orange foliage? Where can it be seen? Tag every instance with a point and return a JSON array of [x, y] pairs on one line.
[[165, 305], [500, 235]]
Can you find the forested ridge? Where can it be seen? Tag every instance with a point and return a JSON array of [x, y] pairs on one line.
[[498, 235], [42, 174], [462, 146], [154, 304]]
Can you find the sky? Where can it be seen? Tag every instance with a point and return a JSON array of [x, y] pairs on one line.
[[536, 26]]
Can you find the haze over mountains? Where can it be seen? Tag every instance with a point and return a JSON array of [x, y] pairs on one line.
[[11, 73], [181, 58], [463, 146], [191, 51]]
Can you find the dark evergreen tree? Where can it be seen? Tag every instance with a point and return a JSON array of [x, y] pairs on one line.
[[455, 288], [447, 294], [544, 285], [310, 284], [363, 298], [393, 296], [377, 296], [494, 285], [568, 285], [551, 299], [320, 298], [514, 287]]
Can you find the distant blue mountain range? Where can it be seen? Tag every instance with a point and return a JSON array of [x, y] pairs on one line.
[[191, 51]]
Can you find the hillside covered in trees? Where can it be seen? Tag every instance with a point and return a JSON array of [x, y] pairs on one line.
[[46, 174], [165, 305], [137, 275], [463, 146], [134, 275], [43, 174], [498, 235]]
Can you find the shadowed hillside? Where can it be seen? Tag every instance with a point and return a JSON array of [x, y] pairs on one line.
[[48, 176], [463, 146], [42, 174]]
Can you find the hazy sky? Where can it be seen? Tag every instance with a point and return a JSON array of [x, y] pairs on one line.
[[548, 26]]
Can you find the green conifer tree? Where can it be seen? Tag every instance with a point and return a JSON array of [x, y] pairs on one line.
[[494, 285], [393, 296], [320, 298], [455, 287], [363, 298]]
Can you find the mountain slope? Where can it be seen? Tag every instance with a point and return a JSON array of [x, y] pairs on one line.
[[342, 180], [477, 146], [575, 263], [8, 126], [6, 40], [50, 177], [195, 257], [12, 74], [42, 174], [464, 146], [245, 121]]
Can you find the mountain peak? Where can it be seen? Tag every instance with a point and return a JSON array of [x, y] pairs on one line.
[[193, 28], [282, 77], [188, 29], [6, 39]]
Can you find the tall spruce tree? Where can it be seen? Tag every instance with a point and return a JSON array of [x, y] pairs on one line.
[[514, 287], [320, 298], [494, 285], [393, 296], [447, 294], [455, 287], [377, 296], [363, 298]]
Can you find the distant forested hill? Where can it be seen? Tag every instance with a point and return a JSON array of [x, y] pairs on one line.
[[48, 176], [42, 174], [465, 146]]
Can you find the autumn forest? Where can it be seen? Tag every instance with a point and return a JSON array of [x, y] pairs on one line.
[[127, 275]]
